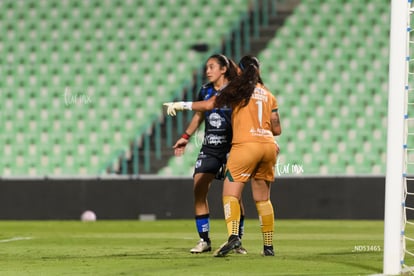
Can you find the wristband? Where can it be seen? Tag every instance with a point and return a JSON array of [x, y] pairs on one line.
[[186, 136], [188, 105]]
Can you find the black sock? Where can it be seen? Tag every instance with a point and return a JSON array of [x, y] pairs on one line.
[[204, 236], [241, 226]]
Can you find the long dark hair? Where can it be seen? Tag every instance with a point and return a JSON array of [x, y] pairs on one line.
[[223, 61], [240, 89]]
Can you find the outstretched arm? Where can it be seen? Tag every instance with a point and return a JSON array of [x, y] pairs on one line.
[[204, 105], [173, 107]]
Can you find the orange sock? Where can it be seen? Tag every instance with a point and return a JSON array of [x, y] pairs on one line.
[[267, 220], [231, 207]]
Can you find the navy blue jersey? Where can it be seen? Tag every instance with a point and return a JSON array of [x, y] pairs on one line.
[[218, 132]]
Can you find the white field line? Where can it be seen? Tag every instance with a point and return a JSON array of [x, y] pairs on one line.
[[16, 239]]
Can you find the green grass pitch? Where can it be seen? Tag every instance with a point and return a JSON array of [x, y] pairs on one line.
[[161, 247]]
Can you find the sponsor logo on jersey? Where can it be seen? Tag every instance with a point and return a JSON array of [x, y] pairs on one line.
[[260, 132], [212, 139], [215, 120], [260, 94]]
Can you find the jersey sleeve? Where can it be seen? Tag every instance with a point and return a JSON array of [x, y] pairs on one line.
[[201, 93]]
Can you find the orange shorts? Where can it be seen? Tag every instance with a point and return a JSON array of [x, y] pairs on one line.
[[252, 160]]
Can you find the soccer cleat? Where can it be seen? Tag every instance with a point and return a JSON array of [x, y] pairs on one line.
[[240, 250], [268, 251], [232, 243], [202, 246]]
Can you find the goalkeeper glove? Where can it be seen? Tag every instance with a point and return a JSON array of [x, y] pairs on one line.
[[173, 107]]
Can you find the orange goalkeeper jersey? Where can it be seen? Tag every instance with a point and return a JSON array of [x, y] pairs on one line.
[[251, 123]]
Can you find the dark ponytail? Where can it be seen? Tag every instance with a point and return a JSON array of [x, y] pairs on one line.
[[240, 89], [250, 60]]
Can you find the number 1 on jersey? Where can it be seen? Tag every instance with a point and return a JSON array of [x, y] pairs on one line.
[[260, 112]]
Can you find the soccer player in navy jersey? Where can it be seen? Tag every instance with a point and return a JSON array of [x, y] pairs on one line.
[[215, 147], [253, 154]]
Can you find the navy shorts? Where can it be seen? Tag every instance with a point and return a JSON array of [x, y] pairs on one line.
[[213, 163]]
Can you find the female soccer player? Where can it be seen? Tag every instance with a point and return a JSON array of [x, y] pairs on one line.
[[216, 145], [255, 120]]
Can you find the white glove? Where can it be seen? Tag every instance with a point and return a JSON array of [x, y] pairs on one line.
[[173, 107]]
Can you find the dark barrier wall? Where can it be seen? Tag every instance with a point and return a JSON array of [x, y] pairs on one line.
[[302, 198]]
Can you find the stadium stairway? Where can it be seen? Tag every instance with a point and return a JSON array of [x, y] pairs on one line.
[[268, 29]]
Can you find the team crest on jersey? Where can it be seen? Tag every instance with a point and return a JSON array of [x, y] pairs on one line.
[[198, 164], [215, 120]]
